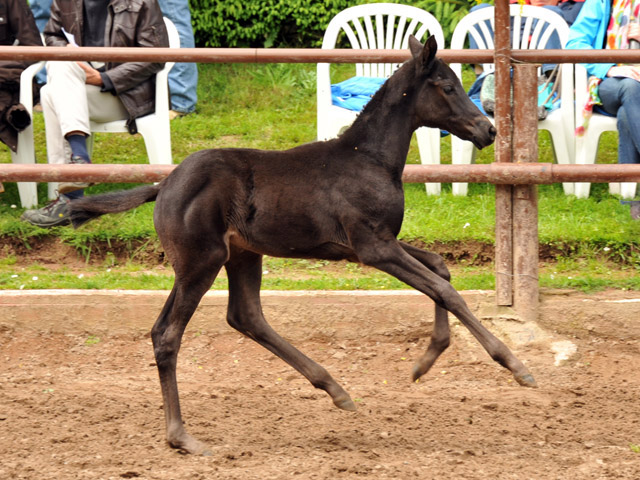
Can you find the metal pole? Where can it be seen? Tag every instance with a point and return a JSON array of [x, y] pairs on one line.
[[525, 197], [521, 173], [306, 55], [496, 173], [503, 153]]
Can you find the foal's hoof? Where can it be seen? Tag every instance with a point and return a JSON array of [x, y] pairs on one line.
[[527, 381], [189, 445], [418, 371], [345, 403]]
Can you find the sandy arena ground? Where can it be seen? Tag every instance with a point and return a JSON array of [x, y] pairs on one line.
[[79, 399]]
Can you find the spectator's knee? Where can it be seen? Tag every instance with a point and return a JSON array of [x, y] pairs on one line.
[[630, 86]]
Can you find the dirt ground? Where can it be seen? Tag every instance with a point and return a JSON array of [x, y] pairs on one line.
[[80, 406]]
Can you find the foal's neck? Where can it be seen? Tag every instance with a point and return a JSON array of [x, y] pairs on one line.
[[384, 128]]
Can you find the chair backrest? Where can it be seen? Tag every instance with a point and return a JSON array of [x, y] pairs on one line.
[[539, 25], [381, 26], [162, 77]]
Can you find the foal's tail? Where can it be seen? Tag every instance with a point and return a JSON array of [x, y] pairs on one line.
[[87, 208]]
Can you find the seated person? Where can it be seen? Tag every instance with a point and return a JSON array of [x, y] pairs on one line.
[[613, 88], [20, 30], [77, 92]]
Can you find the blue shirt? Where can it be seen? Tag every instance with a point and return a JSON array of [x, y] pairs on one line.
[[589, 32]]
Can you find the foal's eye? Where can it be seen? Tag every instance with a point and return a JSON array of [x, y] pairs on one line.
[[447, 89]]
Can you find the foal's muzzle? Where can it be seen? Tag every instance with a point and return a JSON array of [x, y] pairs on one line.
[[484, 137]]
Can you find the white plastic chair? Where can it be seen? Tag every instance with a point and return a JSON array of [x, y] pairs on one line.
[[587, 145], [155, 128], [26, 152], [376, 26], [559, 122]]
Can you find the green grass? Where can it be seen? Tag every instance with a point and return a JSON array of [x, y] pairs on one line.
[[594, 242]]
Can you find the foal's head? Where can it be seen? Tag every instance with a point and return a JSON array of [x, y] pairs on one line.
[[441, 102]]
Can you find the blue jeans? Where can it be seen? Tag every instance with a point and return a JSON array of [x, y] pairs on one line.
[[41, 10], [183, 77], [621, 97]]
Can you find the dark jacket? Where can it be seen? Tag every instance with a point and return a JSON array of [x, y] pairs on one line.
[[17, 27], [130, 23]]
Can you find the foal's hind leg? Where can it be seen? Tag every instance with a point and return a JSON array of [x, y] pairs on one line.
[[195, 273], [440, 336], [390, 257], [244, 270]]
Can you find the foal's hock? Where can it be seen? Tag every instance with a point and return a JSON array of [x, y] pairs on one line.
[[339, 199]]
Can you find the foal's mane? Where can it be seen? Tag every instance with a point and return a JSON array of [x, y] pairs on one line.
[[400, 79], [399, 75]]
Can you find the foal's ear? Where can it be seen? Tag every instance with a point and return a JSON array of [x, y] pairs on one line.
[[426, 54]]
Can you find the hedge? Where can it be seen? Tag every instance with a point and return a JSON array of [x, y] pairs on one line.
[[290, 23]]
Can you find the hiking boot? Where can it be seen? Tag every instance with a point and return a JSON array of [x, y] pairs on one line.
[[55, 213], [66, 187]]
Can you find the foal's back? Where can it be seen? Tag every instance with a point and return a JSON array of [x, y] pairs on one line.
[[300, 202]]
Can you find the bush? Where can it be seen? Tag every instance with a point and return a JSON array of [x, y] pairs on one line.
[[290, 23], [264, 23]]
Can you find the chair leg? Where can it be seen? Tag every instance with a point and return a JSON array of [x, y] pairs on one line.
[[25, 155], [429, 148], [569, 188], [157, 140], [562, 156], [52, 190], [462, 153], [28, 191], [628, 190], [28, 194], [581, 189], [614, 188], [586, 151]]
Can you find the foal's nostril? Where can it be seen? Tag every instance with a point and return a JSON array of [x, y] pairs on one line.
[[493, 131]]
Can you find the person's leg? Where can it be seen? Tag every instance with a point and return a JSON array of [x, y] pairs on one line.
[[621, 97], [102, 107], [183, 77], [68, 104], [64, 108]]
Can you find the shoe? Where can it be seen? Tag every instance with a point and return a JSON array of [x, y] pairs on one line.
[[66, 187], [54, 214], [173, 114]]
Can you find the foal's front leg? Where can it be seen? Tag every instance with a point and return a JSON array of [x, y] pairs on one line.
[[244, 271], [390, 257]]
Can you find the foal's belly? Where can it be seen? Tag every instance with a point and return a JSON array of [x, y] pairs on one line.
[[286, 247]]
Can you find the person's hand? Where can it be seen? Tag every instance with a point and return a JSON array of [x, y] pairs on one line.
[[93, 75], [542, 3], [629, 71], [634, 32]]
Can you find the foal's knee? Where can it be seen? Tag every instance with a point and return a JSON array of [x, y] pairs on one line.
[[246, 322], [440, 268]]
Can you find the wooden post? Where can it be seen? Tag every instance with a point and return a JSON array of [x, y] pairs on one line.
[[503, 153], [525, 197]]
